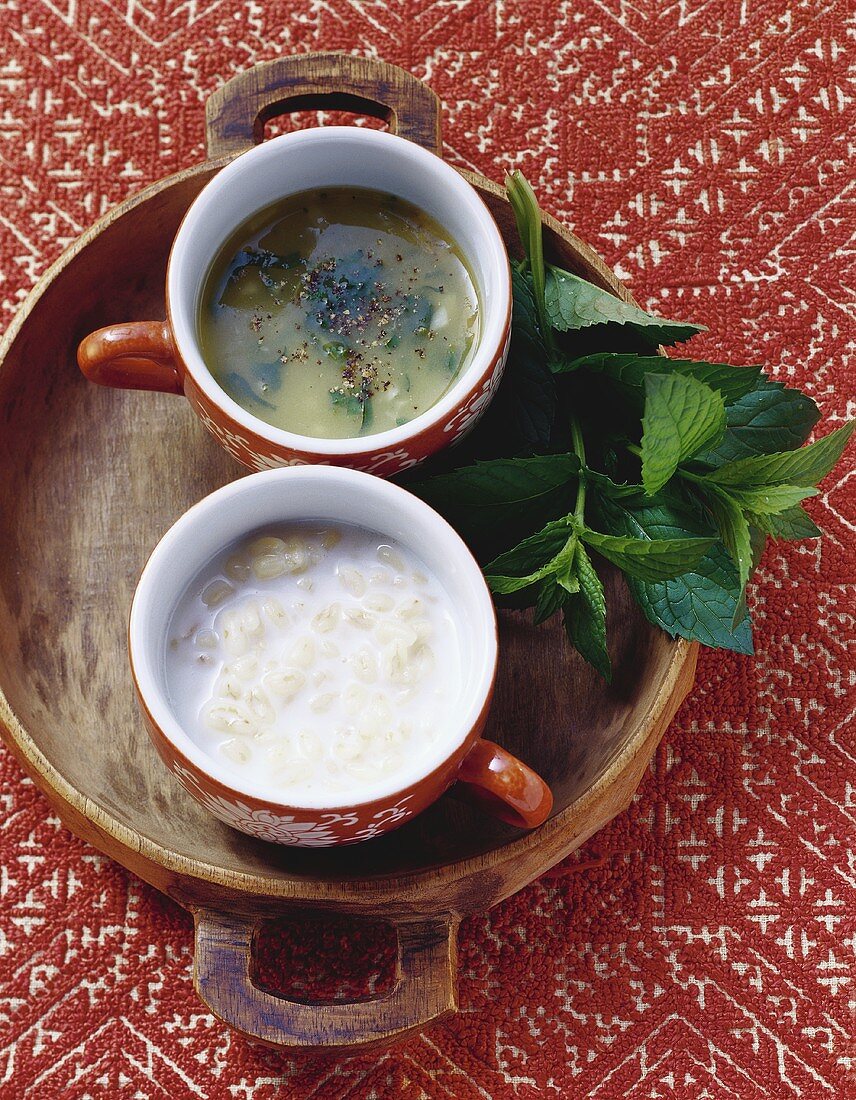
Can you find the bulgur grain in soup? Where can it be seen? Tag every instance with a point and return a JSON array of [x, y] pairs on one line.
[[339, 313], [321, 663]]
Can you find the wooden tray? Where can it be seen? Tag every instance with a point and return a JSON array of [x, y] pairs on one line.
[[89, 480]]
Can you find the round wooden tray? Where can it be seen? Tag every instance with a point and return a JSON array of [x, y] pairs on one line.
[[89, 480]]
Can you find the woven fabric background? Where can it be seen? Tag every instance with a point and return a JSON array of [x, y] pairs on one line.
[[701, 146]]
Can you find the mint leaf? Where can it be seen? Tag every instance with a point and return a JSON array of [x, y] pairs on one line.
[[585, 615], [733, 529], [551, 598], [483, 499], [530, 389], [506, 586], [649, 559], [772, 498], [700, 604], [629, 369], [758, 542], [769, 418], [500, 481], [681, 416], [793, 524], [806, 466], [563, 569], [611, 488], [531, 560], [535, 551], [574, 303], [240, 390]]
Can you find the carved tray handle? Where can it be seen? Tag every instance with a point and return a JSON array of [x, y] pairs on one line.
[[425, 988], [236, 113]]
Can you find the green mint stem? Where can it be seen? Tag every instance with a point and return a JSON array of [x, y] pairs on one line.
[[580, 452], [690, 477], [527, 214], [681, 472]]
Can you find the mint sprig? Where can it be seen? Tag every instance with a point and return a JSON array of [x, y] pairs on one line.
[[675, 470]]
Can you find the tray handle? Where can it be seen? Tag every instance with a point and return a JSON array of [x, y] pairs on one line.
[[425, 988], [236, 113]]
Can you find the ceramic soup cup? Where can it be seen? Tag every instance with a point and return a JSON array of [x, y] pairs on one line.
[[166, 355], [482, 771]]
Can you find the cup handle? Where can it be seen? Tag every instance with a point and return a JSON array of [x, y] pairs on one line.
[[133, 355], [495, 781], [237, 112], [425, 988]]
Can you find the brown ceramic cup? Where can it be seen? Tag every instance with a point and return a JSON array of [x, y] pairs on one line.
[[482, 772], [165, 355]]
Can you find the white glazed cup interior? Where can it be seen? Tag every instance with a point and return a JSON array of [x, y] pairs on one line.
[[325, 493], [332, 156]]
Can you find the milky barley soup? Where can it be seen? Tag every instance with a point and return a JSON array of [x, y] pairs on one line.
[[322, 663], [339, 313]]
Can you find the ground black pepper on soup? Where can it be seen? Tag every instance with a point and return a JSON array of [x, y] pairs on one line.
[[339, 313]]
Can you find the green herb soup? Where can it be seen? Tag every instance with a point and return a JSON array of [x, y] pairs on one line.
[[339, 313]]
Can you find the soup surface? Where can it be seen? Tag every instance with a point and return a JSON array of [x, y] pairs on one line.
[[324, 664], [338, 313]]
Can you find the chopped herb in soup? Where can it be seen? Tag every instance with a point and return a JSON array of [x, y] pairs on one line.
[[339, 313]]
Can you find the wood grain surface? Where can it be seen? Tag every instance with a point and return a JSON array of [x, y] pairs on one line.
[[236, 114], [89, 480]]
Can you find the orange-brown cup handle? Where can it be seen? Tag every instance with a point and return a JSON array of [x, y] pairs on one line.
[[504, 786], [134, 355]]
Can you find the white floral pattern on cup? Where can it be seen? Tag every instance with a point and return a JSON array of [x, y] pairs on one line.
[[271, 462], [240, 448], [385, 819], [465, 418], [328, 830], [390, 462]]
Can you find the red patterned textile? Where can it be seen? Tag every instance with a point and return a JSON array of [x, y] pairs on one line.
[[701, 147]]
